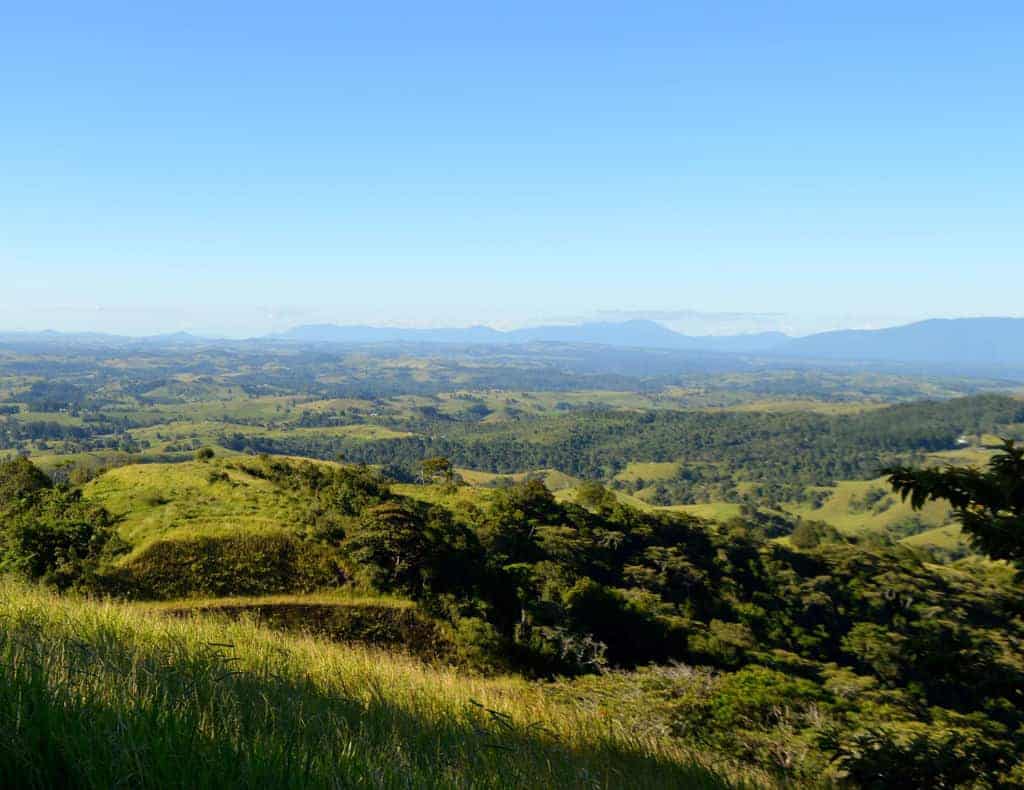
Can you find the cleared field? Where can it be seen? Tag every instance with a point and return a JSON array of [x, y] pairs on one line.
[[443, 495], [553, 479], [225, 406], [50, 462], [948, 537], [648, 471], [363, 431], [806, 405], [477, 478], [208, 432], [715, 511], [332, 405], [844, 508], [202, 432], [341, 596], [968, 456], [59, 418]]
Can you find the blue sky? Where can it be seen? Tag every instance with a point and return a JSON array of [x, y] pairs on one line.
[[251, 166]]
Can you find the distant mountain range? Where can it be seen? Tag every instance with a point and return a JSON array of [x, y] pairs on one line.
[[981, 342], [628, 334], [985, 342], [995, 345]]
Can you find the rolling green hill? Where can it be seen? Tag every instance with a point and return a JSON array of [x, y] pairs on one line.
[[156, 501]]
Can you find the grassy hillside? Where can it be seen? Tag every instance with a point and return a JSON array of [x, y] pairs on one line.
[[846, 508], [651, 470], [100, 695], [153, 501], [860, 507]]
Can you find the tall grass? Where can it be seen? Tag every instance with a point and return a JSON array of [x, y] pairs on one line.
[[105, 695]]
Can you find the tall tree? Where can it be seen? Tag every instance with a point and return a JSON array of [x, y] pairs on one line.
[[438, 468]]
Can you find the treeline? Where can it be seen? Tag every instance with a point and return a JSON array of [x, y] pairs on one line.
[[795, 449]]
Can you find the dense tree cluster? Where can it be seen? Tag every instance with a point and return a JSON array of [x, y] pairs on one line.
[[50, 532], [785, 453]]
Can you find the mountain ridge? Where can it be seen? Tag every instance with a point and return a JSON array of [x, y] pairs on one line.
[[635, 333], [979, 341], [992, 343]]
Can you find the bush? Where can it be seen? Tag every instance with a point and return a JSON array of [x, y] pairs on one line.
[[240, 564], [758, 715], [50, 533], [945, 752], [477, 644], [632, 635], [19, 478]]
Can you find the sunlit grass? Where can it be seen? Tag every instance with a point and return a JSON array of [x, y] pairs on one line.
[[341, 596], [104, 695], [154, 501]]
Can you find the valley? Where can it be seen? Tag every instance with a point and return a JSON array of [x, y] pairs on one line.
[[607, 574]]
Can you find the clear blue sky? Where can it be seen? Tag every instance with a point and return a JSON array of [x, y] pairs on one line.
[[242, 166]]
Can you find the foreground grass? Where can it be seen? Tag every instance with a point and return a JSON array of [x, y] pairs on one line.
[[104, 695]]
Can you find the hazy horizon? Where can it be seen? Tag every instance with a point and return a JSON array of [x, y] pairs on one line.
[[691, 323]]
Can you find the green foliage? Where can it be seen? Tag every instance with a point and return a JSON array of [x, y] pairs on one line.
[[477, 644], [519, 580], [783, 452], [808, 534], [19, 479], [239, 564], [989, 504], [941, 749], [768, 640], [591, 494], [399, 546], [510, 531], [631, 633], [436, 469], [50, 533], [808, 725]]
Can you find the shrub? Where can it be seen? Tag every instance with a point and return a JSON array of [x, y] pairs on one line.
[[948, 751], [50, 533], [632, 634], [239, 564], [19, 478], [477, 644]]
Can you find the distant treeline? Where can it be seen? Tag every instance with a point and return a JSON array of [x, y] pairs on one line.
[[796, 448]]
